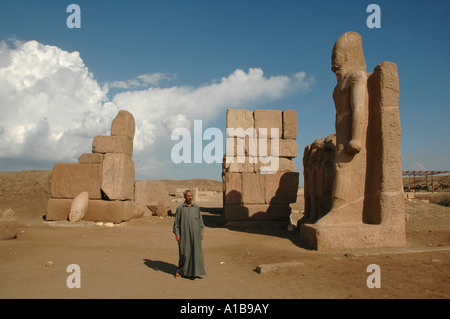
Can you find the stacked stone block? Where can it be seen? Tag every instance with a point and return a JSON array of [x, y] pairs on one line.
[[255, 188], [106, 174]]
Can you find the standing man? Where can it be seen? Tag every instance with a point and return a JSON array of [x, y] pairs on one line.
[[188, 228]]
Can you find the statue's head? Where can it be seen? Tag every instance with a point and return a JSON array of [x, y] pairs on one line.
[[348, 54]]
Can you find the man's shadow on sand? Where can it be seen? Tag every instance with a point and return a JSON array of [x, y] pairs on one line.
[[163, 266]]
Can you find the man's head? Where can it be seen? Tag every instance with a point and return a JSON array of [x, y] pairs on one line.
[[188, 196]]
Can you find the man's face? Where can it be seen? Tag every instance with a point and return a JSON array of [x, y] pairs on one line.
[[188, 197]]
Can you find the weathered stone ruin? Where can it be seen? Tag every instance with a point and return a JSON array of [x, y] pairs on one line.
[[318, 174], [9, 225], [152, 196], [259, 178], [106, 174], [359, 203]]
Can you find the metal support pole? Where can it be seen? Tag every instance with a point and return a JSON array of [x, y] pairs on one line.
[[432, 187]]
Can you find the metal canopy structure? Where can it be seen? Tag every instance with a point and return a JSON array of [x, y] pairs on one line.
[[426, 174]]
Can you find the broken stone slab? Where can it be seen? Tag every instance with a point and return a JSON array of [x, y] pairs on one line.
[[150, 191], [98, 210], [158, 209], [118, 177], [265, 268], [123, 125], [112, 144], [8, 228]]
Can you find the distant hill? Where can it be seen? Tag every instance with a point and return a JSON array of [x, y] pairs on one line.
[[209, 184]]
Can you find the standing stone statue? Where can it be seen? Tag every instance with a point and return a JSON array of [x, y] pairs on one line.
[[351, 100], [366, 208]]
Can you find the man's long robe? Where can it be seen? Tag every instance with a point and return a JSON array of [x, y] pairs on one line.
[[189, 226]]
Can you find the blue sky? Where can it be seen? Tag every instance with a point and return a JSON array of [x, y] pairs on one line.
[[152, 56]]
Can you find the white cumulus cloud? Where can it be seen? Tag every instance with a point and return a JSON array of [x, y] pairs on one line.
[[178, 106], [52, 107], [50, 103], [176, 121], [143, 80]]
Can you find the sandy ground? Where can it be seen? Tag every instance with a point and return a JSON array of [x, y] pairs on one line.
[[137, 259]]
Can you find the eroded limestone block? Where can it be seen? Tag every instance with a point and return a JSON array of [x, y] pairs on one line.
[[274, 165], [118, 176], [123, 125], [9, 213], [238, 166], [281, 187], [90, 158], [9, 225], [8, 228], [253, 188], [113, 144], [268, 119], [288, 148], [233, 188], [69, 180], [112, 211], [147, 192], [58, 209], [158, 209], [237, 118], [98, 210], [238, 146], [290, 124]]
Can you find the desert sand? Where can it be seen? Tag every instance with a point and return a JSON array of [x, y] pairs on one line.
[[137, 259]]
